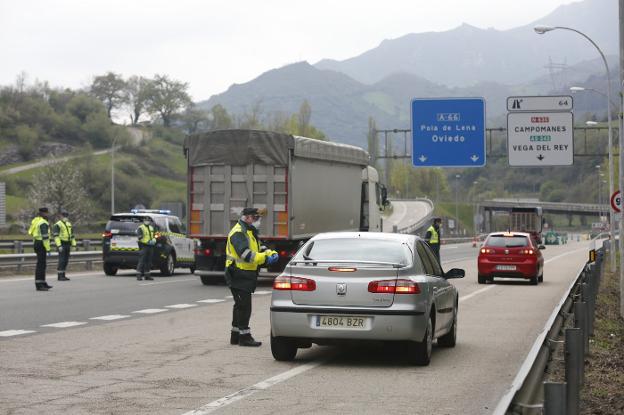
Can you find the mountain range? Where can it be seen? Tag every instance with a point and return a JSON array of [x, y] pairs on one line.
[[465, 61]]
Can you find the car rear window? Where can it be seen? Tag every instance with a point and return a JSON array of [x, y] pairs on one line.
[[124, 224], [507, 241], [357, 250]]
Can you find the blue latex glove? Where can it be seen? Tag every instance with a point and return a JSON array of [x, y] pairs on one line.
[[152, 242], [272, 259]]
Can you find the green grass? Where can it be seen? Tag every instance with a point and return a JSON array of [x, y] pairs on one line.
[[465, 212]]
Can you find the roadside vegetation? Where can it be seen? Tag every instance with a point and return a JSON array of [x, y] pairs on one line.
[[603, 392]]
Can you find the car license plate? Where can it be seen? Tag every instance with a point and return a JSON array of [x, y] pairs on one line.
[[342, 322], [506, 267]]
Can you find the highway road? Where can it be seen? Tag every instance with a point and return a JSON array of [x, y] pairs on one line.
[[405, 213], [114, 345]]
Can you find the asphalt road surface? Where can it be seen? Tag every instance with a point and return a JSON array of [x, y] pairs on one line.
[[405, 213], [114, 345]]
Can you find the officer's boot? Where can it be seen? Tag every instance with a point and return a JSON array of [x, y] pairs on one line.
[[62, 277], [140, 277], [40, 287], [234, 337], [148, 277], [247, 340]]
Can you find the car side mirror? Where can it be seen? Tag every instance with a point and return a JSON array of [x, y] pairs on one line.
[[455, 273], [541, 247]]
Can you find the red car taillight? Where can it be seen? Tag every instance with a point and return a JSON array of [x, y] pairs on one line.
[[203, 252], [527, 251], [393, 287], [487, 251], [289, 283], [107, 234]]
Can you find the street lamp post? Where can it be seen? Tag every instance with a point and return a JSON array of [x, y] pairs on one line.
[[543, 29], [457, 176], [599, 205]]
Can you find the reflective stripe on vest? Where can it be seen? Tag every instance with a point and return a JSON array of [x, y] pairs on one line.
[[232, 256], [147, 233], [435, 238]]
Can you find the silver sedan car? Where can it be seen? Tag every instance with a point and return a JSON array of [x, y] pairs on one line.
[[364, 286]]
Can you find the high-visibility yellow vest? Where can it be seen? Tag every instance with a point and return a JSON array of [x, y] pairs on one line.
[[35, 231], [148, 233], [65, 234], [257, 258], [435, 238]]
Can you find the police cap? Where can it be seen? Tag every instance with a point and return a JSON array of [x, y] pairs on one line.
[[43, 210]]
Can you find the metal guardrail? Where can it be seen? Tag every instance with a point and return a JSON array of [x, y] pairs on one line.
[[21, 260], [530, 393], [19, 246], [415, 227]]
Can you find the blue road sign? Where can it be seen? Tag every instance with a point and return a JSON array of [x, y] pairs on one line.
[[448, 132]]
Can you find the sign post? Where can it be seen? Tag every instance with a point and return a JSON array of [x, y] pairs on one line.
[[540, 131], [448, 132]]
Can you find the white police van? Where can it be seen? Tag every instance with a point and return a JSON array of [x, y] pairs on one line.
[[120, 248]]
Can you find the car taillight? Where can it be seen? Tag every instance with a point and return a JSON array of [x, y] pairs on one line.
[[487, 251], [107, 234], [527, 251], [204, 252], [289, 283], [393, 287]]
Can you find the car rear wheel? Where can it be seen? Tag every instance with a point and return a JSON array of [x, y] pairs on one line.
[[110, 270], [450, 338], [419, 353], [168, 267], [540, 278], [482, 279], [283, 349], [534, 280]]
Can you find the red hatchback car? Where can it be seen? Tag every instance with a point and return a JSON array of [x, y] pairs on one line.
[[510, 255]]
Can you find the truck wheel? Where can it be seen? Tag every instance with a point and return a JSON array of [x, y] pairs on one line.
[[209, 279], [283, 349], [110, 270], [168, 267]]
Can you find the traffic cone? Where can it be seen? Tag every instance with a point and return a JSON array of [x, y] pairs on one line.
[[474, 242]]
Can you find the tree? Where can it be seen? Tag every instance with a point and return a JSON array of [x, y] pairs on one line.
[[221, 120], [60, 186], [137, 89], [166, 97], [195, 119], [305, 113], [111, 90]]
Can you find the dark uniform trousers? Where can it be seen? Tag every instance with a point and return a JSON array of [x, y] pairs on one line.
[[436, 250], [145, 259], [63, 257], [242, 283], [40, 269]]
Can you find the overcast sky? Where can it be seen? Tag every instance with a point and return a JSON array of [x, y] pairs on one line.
[[212, 44]]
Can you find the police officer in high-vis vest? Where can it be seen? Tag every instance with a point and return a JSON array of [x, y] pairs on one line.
[[40, 232], [147, 242], [245, 255], [64, 240], [433, 237]]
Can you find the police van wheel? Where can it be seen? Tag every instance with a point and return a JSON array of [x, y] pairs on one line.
[[110, 270], [168, 267]]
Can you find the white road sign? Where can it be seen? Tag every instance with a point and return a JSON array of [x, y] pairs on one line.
[[540, 139], [540, 103]]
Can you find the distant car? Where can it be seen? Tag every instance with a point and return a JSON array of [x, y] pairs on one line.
[[364, 286], [120, 249], [510, 255]]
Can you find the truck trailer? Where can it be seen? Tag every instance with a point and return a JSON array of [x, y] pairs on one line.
[[307, 186]]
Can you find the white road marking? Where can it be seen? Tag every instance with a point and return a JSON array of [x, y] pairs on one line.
[[65, 324], [211, 301], [564, 254], [450, 247], [472, 294], [263, 292], [265, 384], [167, 282], [181, 306], [9, 333], [84, 274], [151, 311], [109, 317], [457, 260]]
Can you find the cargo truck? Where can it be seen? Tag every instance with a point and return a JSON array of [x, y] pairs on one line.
[[527, 219], [307, 186]]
